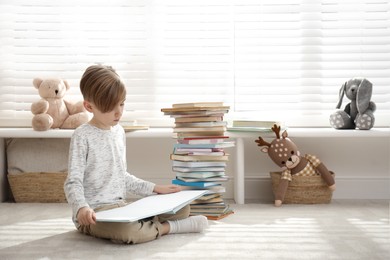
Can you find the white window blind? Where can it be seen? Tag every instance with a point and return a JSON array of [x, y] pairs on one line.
[[265, 58]]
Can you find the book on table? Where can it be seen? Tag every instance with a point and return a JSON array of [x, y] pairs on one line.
[[150, 206], [254, 123]]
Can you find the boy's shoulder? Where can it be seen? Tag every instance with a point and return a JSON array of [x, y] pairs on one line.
[[83, 130], [90, 129], [118, 128]]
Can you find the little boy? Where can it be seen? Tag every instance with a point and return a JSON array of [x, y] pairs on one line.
[[97, 175]]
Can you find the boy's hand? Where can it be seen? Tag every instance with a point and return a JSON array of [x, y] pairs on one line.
[[164, 189], [86, 216]]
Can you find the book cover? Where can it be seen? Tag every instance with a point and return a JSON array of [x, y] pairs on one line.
[[211, 179], [194, 158], [216, 216], [150, 206], [194, 184], [206, 113], [202, 140], [208, 197], [198, 169], [254, 123], [216, 204], [195, 112], [205, 134], [208, 201], [213, 189], [194, 119], [200, 153], [199, 129], [198, 164], [210, 145], [201, 124], [198, 104], [194, 109], [191, 149], [210, 210], [199, 174]]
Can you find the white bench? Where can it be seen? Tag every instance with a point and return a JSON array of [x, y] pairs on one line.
[[239, 173]]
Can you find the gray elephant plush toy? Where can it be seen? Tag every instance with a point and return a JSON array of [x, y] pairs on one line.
[[359, 113]]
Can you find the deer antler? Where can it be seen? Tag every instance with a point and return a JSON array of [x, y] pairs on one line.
[[276, 129], [261, 142]]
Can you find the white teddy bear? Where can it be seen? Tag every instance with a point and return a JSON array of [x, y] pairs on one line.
[[52, 111]]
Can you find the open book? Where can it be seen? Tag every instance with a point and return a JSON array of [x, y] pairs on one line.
[[150, 206]]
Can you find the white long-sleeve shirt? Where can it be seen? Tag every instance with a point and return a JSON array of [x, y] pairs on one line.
[[97, 172]]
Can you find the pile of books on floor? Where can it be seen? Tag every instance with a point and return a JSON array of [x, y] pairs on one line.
[[198, 158]]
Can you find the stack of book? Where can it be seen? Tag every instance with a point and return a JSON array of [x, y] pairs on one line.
[[198, 158]]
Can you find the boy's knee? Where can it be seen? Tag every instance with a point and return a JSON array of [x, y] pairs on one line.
[[184, 212]]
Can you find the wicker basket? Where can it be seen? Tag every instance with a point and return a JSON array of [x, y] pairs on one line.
[[38, 186], [304, 189]]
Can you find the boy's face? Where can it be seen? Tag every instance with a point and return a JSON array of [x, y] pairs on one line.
[[105, 120]]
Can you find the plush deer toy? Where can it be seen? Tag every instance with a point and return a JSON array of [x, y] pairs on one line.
[[285, 154]]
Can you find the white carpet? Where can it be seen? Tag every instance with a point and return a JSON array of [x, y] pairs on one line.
[[340, 230]]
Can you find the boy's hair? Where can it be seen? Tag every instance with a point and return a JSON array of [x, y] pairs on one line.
[[102, 86]]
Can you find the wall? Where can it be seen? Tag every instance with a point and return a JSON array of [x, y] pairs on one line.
[[361, 165]]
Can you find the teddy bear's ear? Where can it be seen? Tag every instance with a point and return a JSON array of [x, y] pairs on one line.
[[37, 82], [66, 84]]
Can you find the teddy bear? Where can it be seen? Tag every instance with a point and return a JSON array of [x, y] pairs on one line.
[[360, 111], [53, 111], [286, 155]]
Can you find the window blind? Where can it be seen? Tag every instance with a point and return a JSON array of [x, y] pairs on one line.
[[272, 59], [291, 57]]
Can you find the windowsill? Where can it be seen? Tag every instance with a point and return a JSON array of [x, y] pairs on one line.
[[167, 132]]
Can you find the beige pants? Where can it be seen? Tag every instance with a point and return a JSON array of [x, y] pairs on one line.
[[134, 232]]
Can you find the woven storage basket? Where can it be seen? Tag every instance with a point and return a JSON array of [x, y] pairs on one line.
[[304, 189], [38, 186]]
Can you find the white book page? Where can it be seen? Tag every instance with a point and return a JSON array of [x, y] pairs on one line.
[[150, 206]]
